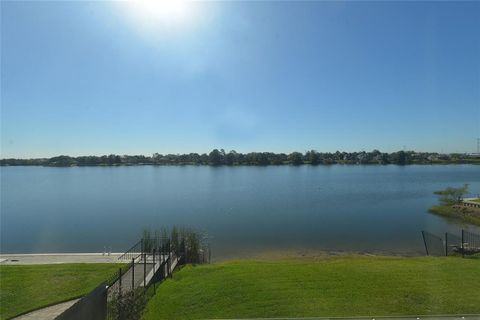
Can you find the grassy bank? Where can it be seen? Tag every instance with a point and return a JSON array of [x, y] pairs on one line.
[[25, 287], [457, 212], [335, 286]]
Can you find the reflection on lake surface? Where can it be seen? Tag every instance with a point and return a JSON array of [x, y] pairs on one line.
[[338, 207]]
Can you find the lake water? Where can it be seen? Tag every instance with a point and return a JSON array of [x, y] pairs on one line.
[[243, 209]]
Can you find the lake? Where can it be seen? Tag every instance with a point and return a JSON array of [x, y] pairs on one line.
[[243, 209]]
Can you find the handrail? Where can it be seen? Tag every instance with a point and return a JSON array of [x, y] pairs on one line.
[[130, 253]]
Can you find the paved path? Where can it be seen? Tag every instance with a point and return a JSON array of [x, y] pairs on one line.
[[49, 258], [48, 313], [141, 273]]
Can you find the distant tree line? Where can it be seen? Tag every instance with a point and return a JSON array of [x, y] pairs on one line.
[[220, 157]]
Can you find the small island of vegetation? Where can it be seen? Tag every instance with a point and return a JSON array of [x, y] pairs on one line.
[[220, 157], [450, 205]]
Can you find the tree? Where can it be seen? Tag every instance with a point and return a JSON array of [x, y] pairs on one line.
[[450, 196], [194, 158], [215, 157], [312, 157], [401, 158], [62, 161], [295, 158], [114, 159], [385, 159], [230, 158]]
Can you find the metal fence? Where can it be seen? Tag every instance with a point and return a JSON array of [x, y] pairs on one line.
[[156, 261], [92, 306], [468, 244], [148, 262], [453, 244], [471, 243], [134, 252], [433, 244]]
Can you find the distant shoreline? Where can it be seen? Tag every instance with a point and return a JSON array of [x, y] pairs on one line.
[[221, 158], [234, 165]]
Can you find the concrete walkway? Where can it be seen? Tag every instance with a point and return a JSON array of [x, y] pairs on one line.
[[51, 312], [49, 258], [142, 274], [48, 313]]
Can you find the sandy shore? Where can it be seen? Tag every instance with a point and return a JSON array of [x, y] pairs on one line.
[[255, 254], [302, 253], [49, 258]]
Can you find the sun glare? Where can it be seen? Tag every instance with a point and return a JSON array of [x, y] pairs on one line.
[[161, 12]]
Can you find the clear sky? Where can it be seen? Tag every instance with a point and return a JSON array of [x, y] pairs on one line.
[[103, 77]]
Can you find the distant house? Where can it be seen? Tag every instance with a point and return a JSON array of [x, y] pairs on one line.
[[471, 202], [473, 154]]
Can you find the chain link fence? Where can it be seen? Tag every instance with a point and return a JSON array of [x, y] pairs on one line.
[[471, 243], [467, 245], [434, 245], [453, 244]]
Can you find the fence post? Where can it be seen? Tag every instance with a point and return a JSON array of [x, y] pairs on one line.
[[133, 273], [170, 258], [167, 261], [184, 252], [161, 252], [144, 270], [120, 281], [425, 242], [463, 241], [154, 271], [446, 244]]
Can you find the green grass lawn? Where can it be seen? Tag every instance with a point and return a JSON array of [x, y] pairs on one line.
[[476, 200], [25, 287], [336, 286]]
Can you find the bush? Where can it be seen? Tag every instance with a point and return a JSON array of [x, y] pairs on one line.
[[128, 305], [187, 241], [450, 196]]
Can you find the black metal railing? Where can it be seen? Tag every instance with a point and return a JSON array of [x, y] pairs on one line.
[[134, 252], [151, 260], [453, 244], [433, 244], [470, 243], [145, 270]]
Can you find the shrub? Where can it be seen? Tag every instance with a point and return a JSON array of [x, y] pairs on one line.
[[450, 196], [128, 305]]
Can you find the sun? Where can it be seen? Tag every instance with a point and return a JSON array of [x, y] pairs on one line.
[[161, 12]]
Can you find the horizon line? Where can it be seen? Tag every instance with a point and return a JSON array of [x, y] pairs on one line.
[[226, 152]]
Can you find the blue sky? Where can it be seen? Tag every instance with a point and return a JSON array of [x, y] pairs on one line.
[[107, 77]]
